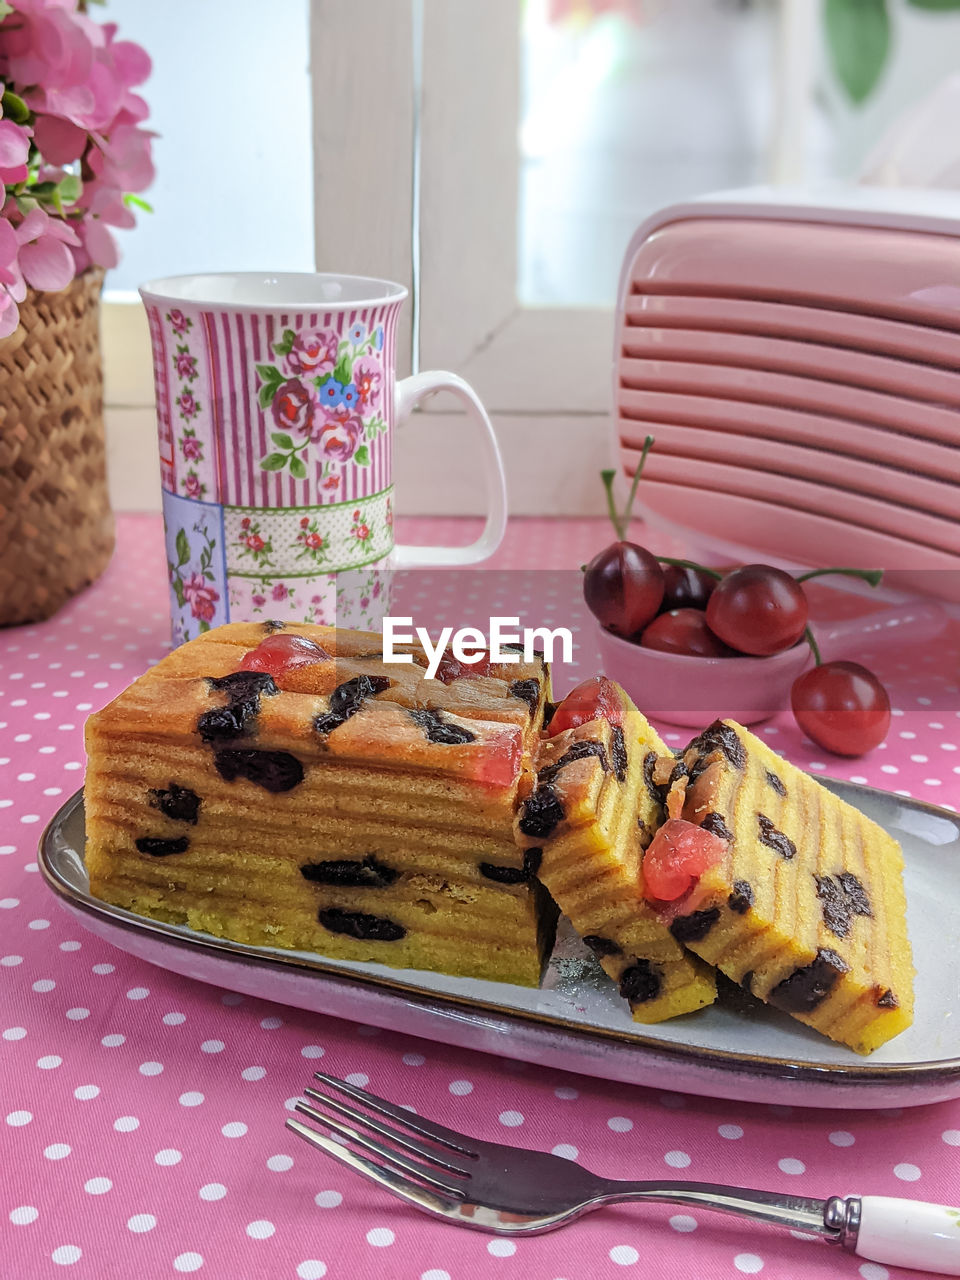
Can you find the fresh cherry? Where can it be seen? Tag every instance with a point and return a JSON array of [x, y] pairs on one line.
[[758, 609], [678, 855], [283, 652], [842, 706], [623, 587], [595, 699], [684, 631], [687, 587]]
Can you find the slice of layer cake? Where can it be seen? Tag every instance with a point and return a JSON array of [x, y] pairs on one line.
[[282, 785], [594, 809], [804, 903]]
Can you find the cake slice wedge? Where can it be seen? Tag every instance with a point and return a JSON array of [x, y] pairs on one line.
[[594, 808], [804, 906]]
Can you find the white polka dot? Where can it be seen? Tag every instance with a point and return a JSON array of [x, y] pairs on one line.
[[73, 764], [566, 1094], [24, 1215], [168, 1156], [619, 1124], [191, 1099], [126, 1124], [57, 1151], [101, 969], [253, 1073], [840, 1138], [889, 768], [511, 1118], [112, 1041], [413, 1059], [138, 993], [97, 1186], [213, 1191], [790, 1165], [150, 1068], [683, 1222], [29, 818], [280, 1164], [624, 1255], [26, 777], [8, 904], [8, 962], [84, 1092], [44, 985], [235, 1129], [14, 1033], [141, 1222], [502, 1248], [906, 1172], [271, 1024], [873, 1271], [676, 1159], [951, 1137], [357, 1078], [78, 1014], [65, 1255], [311, 1051], [175, 1020], [380, 1237], [213, 1046], [17, 1119], [188, 1262], [749, 1263], [730, 1131], [565, 1150], [313, 1269], [260, 1230], [327, 1199], [460, 1087]]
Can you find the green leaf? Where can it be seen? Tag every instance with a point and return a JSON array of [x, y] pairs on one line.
[[858, 40], [298, 468], [269, 373], [286, 343], [273, 462], [267, 393], [14, 107], [135, 202], [183, 547], [178, 592], [343, 370], [281, 439], [362, 456], [319, 382], [70, 188], [204, 625]]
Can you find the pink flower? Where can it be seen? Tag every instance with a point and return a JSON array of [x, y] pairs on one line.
[[178, 321], [14, 149], [188, 405], [362, 532], [280, 592], [201, 597], [340, 438], [313, 541], [368, 379], [186, 364], [192, 486], [293, 407], [364, 602], [192, 448], [255, 542], [332, 482], [314, 353], [259, 601]]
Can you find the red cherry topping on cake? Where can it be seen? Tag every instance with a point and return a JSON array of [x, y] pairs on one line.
[[499, 763], [283, 652], [595, 699], [451, 668], [676, 859]]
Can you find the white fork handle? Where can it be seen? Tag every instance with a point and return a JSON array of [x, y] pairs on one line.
[[909, 1233]]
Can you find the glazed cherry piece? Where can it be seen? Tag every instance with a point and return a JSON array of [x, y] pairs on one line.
[[678, 856], [842, 706], [758, 610], [450, 668], [595, 699], [686, 588], [684, 631], [283, 652], [623, 586]]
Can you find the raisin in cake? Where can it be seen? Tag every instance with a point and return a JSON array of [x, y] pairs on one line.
[[284, 786], [804, 905], [594, 809]]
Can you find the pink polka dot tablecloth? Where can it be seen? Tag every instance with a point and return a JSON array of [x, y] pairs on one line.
[[144, 1134]]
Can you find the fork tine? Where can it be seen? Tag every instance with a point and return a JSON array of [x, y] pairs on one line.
[[431, 1175], [426, 1128], [406, 1141], [396, 1183]]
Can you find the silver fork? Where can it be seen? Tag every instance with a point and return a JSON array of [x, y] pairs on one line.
[[510, 1191]]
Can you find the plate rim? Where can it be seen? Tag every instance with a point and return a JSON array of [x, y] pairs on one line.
[[930, 1071]]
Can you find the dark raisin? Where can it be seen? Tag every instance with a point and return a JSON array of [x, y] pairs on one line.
[[241, 685], [531, 862], [158, 847], [747, 981], [358, 924], [774, 839], [244, 690], [272, 770], [720, 737], [601, 946], [841, 897], [655, 791], [542, 813], [775, 782], [888, 1000], [271, 624], [640, 982], [694, 927], [807, 987], [856, 894], [347, 699], [549, 710], [441, 731], [741, 900], [371, 873], [503, 875], [223, 722], [678, 771], [179, 803], [618, 753], [528, 691], [576, 751], [715, 822]]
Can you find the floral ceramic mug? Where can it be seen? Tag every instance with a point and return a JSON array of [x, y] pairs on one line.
[[277, 401]]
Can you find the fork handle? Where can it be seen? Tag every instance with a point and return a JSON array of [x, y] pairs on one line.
[[909, 1233]]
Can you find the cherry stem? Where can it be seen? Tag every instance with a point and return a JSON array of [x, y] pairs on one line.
[[873, 576], [621, 523], [638, 471], [690, 564], [608, 478], [814, 647]]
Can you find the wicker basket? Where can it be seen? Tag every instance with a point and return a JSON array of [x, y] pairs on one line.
[[56, 527]]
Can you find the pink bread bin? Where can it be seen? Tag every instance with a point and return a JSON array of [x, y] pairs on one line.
[[798, 363]]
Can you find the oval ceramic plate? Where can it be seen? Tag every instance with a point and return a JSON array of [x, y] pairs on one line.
[[575, 1020]]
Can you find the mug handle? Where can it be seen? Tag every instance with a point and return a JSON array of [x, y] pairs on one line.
[[408, 392]]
